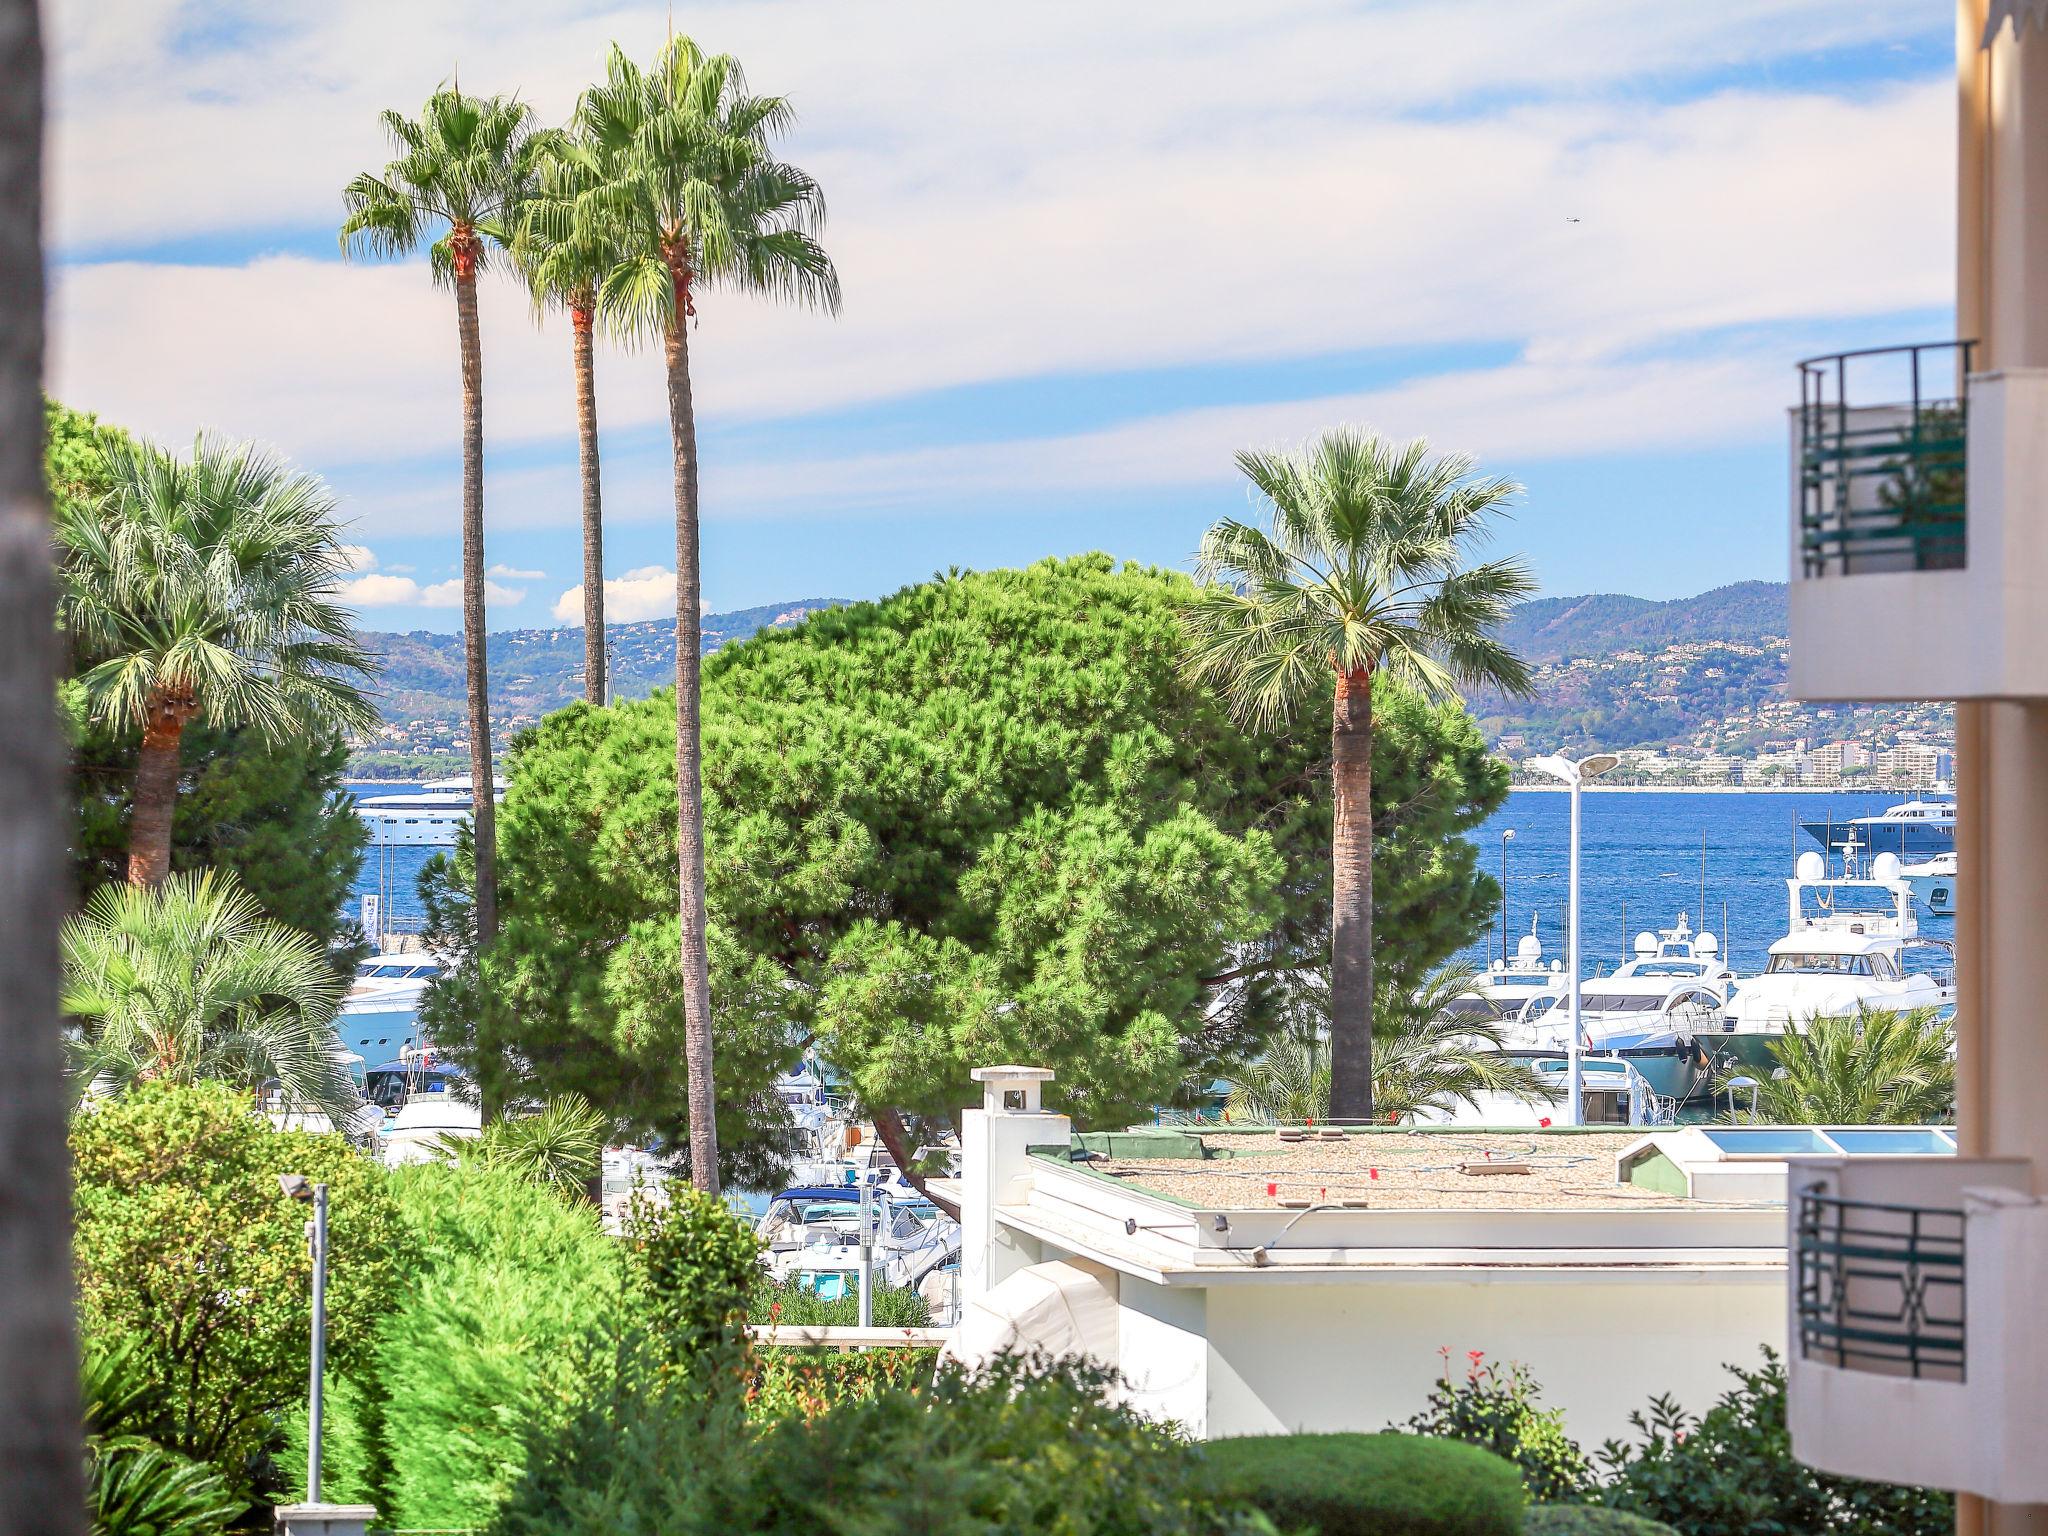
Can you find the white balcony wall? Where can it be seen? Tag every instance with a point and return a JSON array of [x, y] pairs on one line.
[[1977, 1428], [1980, 632]]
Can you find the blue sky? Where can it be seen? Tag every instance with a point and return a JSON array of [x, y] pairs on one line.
[[1087, 252]]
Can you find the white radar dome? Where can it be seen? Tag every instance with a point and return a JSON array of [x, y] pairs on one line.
[[1530, 948], [1885, 867], [1706, 944], [1646, 943], [1811, 866]]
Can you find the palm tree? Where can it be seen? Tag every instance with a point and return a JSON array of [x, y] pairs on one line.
[[1361, 572], [1427, 1055], [695, 199], [1876, 1066], [562, 1145], [465, 166], [564, 262], [189, 980], [207, 588]]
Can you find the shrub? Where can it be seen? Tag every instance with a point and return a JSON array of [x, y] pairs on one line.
[[1494, 1408], [1732, 1473], [1588, 1520], [791, 1305], [1024, 1446], [808, 1382], [1369, 1485], [133, 1486], [188, 1253], [480, 1353], [696, 1269]]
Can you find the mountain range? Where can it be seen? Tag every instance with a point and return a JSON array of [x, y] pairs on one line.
[[1705, 673]]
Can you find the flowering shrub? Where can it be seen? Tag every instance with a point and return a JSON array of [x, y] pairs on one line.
[[804, 1383], [1494, 1407]]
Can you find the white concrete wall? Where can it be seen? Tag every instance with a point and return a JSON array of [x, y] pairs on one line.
[[1162, 1352], [1363, 1355]]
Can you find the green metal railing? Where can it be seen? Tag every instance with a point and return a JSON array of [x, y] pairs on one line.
[[1880, 1287], [1881, 485]]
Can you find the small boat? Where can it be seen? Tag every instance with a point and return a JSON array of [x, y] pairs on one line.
[[1835, 959], [812, 1232], [1933, 882], [1917, 829], [425, 817]]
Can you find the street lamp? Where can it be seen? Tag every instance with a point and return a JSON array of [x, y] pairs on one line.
[[1577, 775], [1507, 836], [297, 1186]]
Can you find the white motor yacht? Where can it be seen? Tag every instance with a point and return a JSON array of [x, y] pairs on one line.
[[1933, 882], [379, 1016], [1650, 1012], [425, 815], [1852, 942], [1512, 991], [423, 1100]]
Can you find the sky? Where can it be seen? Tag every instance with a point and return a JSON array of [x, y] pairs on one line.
[[1088, 253]]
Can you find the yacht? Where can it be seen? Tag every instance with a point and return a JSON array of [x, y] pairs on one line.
[[426, 816], [1858, 946], [379, 1016], [422, 1100], [1651, 1013], [1934, 883], [1917, 829], [812, 1232], [1508, 991]]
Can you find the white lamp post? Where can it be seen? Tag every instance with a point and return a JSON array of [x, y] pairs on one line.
[[1577, 775]]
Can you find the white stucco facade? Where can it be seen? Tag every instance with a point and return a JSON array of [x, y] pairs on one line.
[[1253, 1322]]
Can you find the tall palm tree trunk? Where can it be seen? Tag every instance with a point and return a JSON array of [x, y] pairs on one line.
[[41, 1454], [1351, 910], [682, 417], [593, 508], [483, 816], [154, 804]]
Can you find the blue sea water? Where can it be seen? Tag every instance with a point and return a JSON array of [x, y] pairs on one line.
[[1639, 866]]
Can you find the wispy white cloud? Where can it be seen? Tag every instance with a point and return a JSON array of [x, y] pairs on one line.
[[379, 590], [508, 573], [646, 593]]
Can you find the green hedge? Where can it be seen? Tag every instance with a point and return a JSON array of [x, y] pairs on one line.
[[1589, 1520], [1370, 1485]]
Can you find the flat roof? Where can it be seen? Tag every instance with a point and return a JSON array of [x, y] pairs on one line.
[[1404, 1169]]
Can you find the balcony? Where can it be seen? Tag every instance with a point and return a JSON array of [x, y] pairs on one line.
[[1881, 485], [1917, 1351], [1919, 549]]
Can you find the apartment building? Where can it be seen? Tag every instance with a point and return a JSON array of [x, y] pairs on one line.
[[1917, 1338]]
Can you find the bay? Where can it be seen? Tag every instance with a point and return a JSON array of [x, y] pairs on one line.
[[1640, 865]]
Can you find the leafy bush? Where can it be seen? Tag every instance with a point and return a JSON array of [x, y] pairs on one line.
[[808, 1382], [696, 1269], [1025, 1446], [791, 1305], [1732, 1473], [480, 1353], [1494, 1408], [1589, 1520], [1369, 1485], [188, 1254]]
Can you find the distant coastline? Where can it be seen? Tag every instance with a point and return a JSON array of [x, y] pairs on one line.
[[1728, 789]]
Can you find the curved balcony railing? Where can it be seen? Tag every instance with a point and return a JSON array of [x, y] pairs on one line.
[[1879, 1286], [1883, 437]]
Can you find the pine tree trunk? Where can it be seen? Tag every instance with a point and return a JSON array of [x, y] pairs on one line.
[[689, 771], [41, 1451], [483, 817], [896, 1137], [593, 509], [154, 804], [1351, 907]]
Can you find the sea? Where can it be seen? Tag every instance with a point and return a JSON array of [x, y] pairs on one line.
[[1645, 856]]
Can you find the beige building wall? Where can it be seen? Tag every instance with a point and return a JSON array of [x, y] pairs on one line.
[[2002, 748]]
